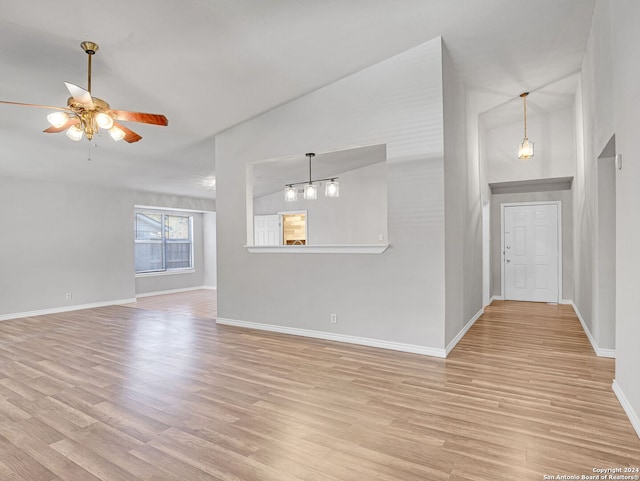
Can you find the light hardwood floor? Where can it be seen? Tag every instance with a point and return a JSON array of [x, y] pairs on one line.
[[128, 394], [199, 303]]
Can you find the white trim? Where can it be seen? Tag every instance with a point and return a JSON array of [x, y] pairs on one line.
[[209, 288], [171, 209], [604, 352], [57, 310], [558, 205], [463, 331], [329, 336], [585, 328], [170, 272], [566, 301], [600, 352], [497, 298], [626, 405], [173, 291], [323, 249]]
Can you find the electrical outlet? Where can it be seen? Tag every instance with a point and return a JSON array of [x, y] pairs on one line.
[[334, 318], [68, 296]]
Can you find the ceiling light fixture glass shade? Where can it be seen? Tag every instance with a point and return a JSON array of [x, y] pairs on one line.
[[525, 149], [116, 133], [74, 133], [332, 188], [310, 192], [58, 119], [104, 121], [290, 194]]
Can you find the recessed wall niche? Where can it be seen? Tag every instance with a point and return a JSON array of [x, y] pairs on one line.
[[358, 216]]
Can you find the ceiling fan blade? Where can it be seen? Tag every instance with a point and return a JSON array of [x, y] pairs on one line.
[[33, 105], [155, 119], [55, 130], [129, 135], [80, 95]]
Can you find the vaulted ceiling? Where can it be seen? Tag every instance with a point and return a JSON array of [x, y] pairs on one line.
[[210, 64]]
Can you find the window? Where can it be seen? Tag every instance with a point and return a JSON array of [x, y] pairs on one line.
[[163, 242]]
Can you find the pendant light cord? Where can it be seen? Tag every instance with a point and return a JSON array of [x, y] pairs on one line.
[[524, 99]]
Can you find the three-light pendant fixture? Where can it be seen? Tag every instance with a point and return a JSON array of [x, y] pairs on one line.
[[311, 187]]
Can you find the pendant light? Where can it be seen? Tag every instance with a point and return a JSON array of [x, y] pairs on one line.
[[311, 187], [525, 149]]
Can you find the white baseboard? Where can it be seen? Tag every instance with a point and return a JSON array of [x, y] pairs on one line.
[[600, 352], [57, 310], [496, 298], [565, 301], [463, 331], [174, 291], [603, 352], [628, 409], [329, 336]]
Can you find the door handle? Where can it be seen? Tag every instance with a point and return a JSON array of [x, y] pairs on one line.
[[508, 260]]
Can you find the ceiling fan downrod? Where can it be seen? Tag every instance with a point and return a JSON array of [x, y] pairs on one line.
[[90, 49]]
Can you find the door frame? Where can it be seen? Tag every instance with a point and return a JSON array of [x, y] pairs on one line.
[[558, 205]]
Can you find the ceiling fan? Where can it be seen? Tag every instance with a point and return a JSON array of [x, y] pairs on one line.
[[85, 115]]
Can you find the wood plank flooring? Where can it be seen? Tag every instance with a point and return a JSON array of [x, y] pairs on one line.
[[127, 394], [199, 303]]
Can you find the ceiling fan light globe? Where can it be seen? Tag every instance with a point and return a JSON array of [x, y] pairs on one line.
[[74, 133], [116, 133], [104, 121], [58, 119]]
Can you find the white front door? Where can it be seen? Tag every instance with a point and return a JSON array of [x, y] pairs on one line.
[[266, 230], [531, 260]]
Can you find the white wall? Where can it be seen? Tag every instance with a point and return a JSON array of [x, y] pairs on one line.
[[59, 238], [358, 216], [610, 104], [626, 102], [595, 113], [395, 296], [475, 140], [463, 210], [210, 250], [554, 136]]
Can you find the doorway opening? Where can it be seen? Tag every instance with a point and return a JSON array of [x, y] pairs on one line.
[[604, 329], [294, 228]]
